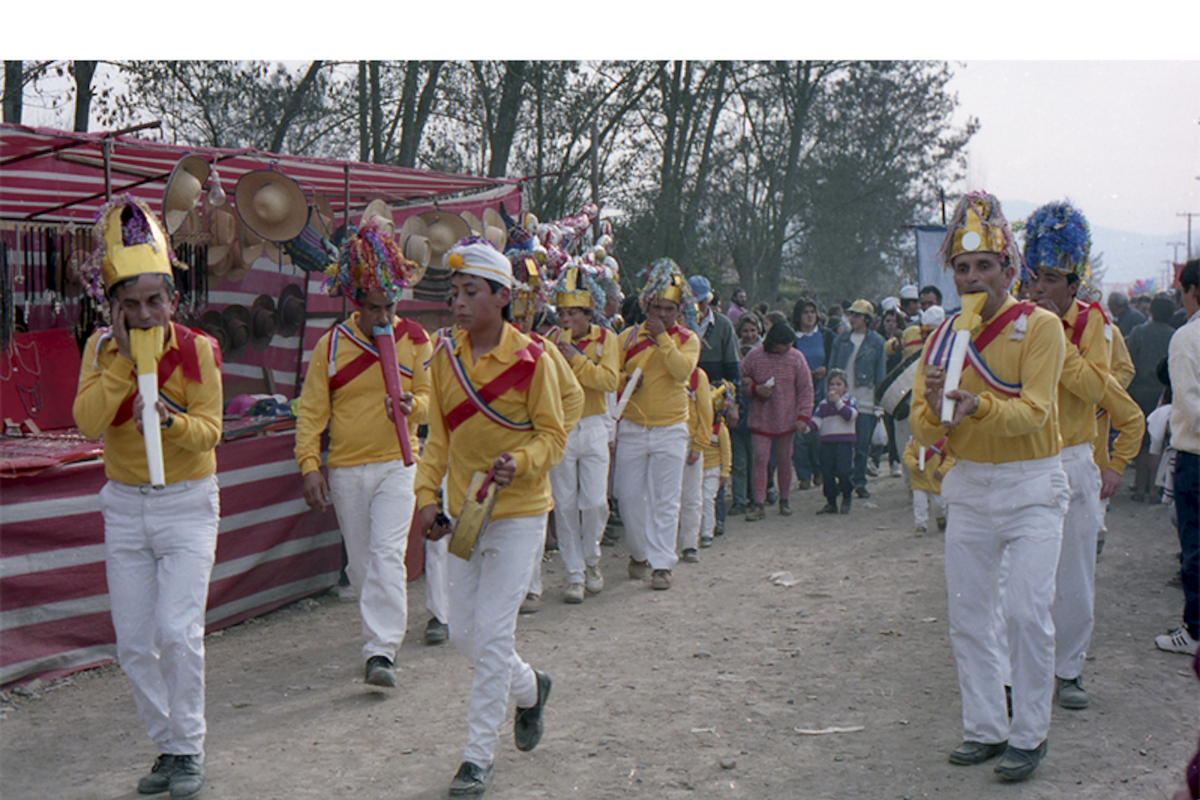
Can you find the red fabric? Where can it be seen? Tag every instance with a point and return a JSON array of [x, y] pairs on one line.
[[995, 326], [517, 377]]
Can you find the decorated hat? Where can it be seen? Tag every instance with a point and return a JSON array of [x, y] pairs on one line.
[[863, 307], [1058, 237], [724, 396], [665, 279], [129, 241], [978, 226], [262, 321], [475, 256], [932, 317], [530, 287], [888, 304], [369, 260], [183, 191], [576, 288], [271, 204], [289, 316]]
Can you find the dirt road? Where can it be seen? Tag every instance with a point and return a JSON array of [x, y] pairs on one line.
[[695, 692]]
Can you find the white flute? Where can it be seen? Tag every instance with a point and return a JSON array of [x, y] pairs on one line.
[[145, 344], [954, 371], [630, 388]]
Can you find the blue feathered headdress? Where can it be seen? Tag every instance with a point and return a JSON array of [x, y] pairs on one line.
[[1057, 237]]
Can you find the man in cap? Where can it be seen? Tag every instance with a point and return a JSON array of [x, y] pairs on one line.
[[1007, 492], [652, 435], [1057, 245], [580, 480], [495, 406], [910, 306], [159, 541], [369, 484], [859, 352]]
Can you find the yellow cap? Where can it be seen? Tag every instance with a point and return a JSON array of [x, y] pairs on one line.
[[133, 242], [571, 291]]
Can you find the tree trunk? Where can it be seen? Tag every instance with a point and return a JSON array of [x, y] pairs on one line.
[[376, 105], [504, 131], [410, 141], [84, 70], [14, 86], [364, 142], [293, 106]]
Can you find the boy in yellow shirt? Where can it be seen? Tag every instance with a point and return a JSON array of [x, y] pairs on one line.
[[926, 468], [718, 456], [691, 499], [369, 484]]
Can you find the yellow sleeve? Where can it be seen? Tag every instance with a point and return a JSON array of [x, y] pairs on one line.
[[702, 434], [1128, 419], [679, 361], [312, 416], [199, 428], [1121, 364], [726, 450], [545, 401], [601, 375], [102, 389], [1041, 370], [1086, 367], [910, 455], [431, 466], [572, 393], [419, 353]]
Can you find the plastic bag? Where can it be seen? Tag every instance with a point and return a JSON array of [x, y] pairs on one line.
[[879, 435]]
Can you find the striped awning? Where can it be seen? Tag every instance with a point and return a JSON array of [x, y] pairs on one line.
[[49, 175]]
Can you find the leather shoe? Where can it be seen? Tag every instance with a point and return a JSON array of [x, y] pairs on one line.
[[1018, 764], [471, 779], [379, 672], [1071, 693], [188, 779], [971, 753], [527, 724], [159, 779]]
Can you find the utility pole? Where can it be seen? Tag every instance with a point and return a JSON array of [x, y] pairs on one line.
[[1176, 245], [1189, 215]]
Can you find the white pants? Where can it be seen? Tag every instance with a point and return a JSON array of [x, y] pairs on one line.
[[374, 505], [1004, 513], [580, 486], [649, 474], [922, 502], [1075, 592], [437, 602], [485, 593], [691, 504], [712, 483], [159, 548]]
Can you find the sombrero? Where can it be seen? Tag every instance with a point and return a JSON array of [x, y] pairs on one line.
[[379, 209], [223, 230], [271, 204], [183, 191], [445, 229], [473, 223], [414, 243]]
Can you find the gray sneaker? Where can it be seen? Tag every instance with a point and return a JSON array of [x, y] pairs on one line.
[[159, 779], [1071, 693], [593, 579], [188, 779]]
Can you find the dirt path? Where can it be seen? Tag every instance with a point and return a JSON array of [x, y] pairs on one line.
[[694, 692]]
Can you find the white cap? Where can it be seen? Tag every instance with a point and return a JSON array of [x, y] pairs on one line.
[[480, 258], [909, 292], [888, 303], [933, 316]]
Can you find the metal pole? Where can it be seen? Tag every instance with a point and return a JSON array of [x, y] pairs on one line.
[[106, 148]]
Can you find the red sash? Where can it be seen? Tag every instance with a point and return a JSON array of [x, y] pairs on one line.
[[518, 377], [1081, 321], [367, 359], [995, 326], [184, 356]]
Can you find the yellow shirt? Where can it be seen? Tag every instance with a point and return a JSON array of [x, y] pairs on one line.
[[568, 384], [1121, 365], [667, 362], [596, 366], [107, 380], [360, 431], [925, 480], [720, 453], [700, 410], [1004, 429], [1122, 370], [1085, 371], [1130, 422], [910, 342], [478, 440]]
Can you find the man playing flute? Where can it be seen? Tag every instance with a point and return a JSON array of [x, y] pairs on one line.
[[159, 542], [1007, 493]]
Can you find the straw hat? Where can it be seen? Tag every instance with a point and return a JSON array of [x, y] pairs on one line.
[[322, 216], [223, 228], [473, 223], [290, 315], [263, 321], [237, 325], [183, 191], [446, 229], [415, 244], [379, 209], [239, 266], [271, 204]]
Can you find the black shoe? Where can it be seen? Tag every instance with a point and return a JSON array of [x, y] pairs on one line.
[[970, 753], [862, 492], [471, 779], [610, 538], [188, 779], [527, 724], [846, 504], [1018, 764], [159, 779], [436, 632], [379, 672], [830, 508], [772, 497]]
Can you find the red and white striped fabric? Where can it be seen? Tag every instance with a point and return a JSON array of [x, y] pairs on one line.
[[54, 612]]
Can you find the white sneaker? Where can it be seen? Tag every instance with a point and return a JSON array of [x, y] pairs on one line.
[[531, 604], [896, 471], [574, 593], [593, 579], [1177, 641]]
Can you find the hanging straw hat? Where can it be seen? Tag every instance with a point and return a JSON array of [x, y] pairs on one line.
[[183, 191], [473, 223], [379, 210], [223, 230], [415, 245], [271, 204], [445, 229], [237, 324], [321, 216], [290, 314], [263, 321]]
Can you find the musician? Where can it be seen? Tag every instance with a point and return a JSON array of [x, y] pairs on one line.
[[159, 543], [369, 485], [652, 435], [495, 403], [1057, 245], [1007, 492], [580, 480]]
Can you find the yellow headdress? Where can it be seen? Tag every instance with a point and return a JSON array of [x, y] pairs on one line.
[[574, 289], [129, 242], [979, 226]]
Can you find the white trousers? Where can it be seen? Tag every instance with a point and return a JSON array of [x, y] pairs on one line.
[[580, 486], [374, 505], [1004, 513], [1075, 592], [437, 601], [648, 477], [159, 548], [922, 502], [712, 483], [691, 504], [485, 593]]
